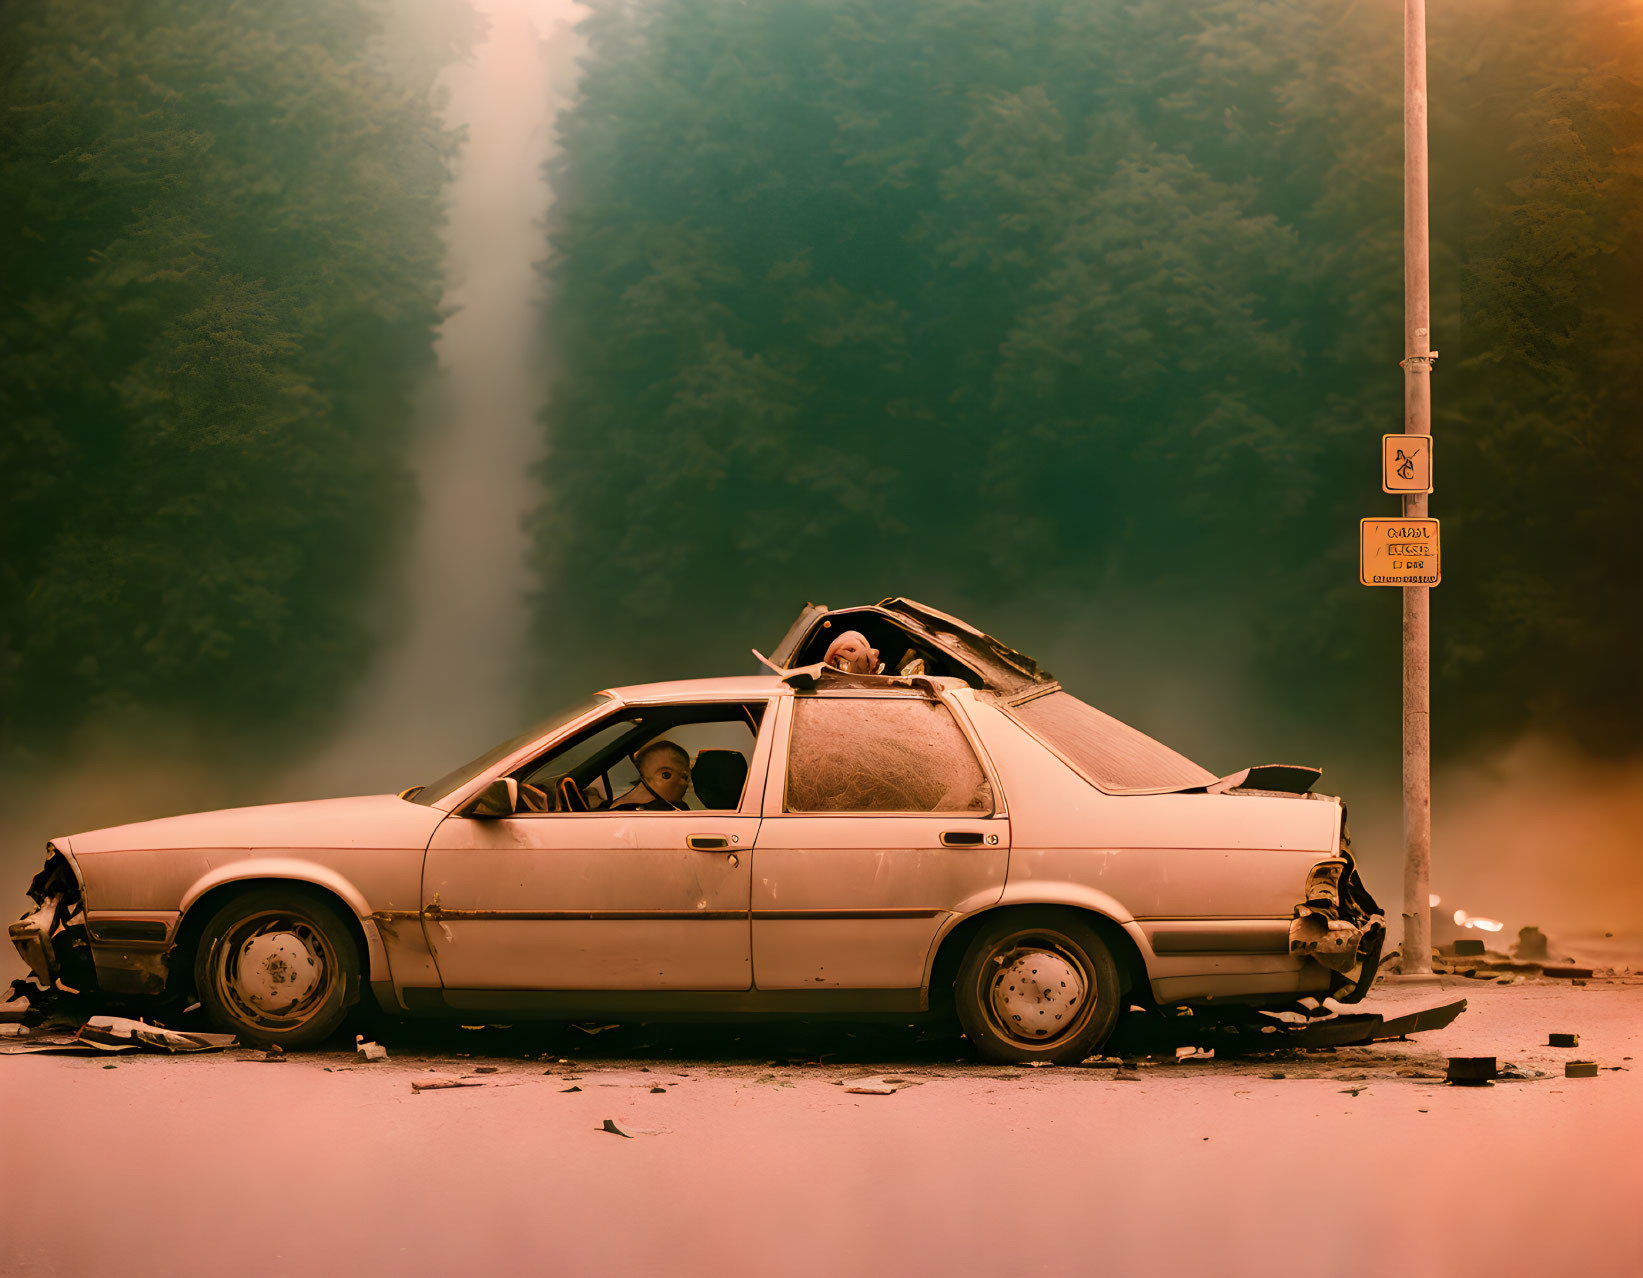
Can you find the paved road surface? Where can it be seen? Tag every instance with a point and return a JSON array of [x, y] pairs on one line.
[[746, 1163]]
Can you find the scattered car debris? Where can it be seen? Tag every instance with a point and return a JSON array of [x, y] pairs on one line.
[[1579, 1069], [442, 1084], [1510, 1073], [1564, 972], [615, 1129], [1348, 1091], [1471, 1071], [369, 1051], [1531, 943], [596, 1029], [485, 1069], [654, 1090], [572, 1088], [1563, 1040], [1241, 1031], [1468, 947], [871, 1089], [103, 1034]]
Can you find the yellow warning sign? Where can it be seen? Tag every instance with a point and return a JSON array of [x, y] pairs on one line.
[[1406, 463], [1398, 552]]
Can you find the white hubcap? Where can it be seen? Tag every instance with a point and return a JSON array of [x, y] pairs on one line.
[[276, 971], [1037, 994]]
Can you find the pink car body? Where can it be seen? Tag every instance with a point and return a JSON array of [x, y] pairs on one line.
[[1203, 888]]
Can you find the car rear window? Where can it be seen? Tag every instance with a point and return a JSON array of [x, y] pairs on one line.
[[1111, 754], [881, 754]]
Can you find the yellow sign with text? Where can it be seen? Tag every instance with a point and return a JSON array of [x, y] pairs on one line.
[[1398, 552]]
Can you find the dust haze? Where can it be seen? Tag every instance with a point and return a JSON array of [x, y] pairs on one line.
[[1531, 832]]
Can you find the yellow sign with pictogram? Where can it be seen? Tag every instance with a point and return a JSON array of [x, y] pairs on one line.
[[1406, 463], [1398, 552]]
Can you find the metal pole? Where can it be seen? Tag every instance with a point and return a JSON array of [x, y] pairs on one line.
[[1417, 413]]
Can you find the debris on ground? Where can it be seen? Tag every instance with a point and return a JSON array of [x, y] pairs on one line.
[[596, 1029], [442, 1084], [1468, 947], [616, 1129], [485, 1069], [1531, 944], [12, 1011], [1563, 1040], [874, 1085], [103, 1034], [1471, 1071], [1579, 1069], [1562, 971], [13, 1030], [571, 1088], [1234, 1031], [369, 1051]]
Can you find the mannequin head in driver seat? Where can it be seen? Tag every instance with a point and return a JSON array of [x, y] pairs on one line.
[[664, 770], [852, 653]]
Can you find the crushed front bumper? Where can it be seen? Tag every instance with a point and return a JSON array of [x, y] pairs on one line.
[[52, 938]]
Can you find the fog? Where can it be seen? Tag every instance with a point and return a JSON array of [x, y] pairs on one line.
[[447, 682], [1527, 828]]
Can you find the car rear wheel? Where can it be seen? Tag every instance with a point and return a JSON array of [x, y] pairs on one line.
[[1037, 986], [277, 966]]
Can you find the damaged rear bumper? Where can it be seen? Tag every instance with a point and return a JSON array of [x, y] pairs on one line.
[[1340, 926]]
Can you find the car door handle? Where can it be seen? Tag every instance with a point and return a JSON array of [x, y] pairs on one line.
[[708, 842], [965, 838]]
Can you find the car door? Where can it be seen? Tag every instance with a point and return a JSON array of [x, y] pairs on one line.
[[612, 900], [881, 821]]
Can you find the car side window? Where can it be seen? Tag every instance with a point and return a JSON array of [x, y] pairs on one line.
[[704, 752], [881, 754]]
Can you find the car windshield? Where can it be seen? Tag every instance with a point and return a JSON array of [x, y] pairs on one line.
[[1112, 754], [430, 794]]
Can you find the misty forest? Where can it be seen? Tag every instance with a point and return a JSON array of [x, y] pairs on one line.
[[1079, 320]]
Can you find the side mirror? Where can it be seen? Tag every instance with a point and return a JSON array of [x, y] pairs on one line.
[[499, 799]]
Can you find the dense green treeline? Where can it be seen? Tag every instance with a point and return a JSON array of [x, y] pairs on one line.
[[221, 282], [1059, 314]]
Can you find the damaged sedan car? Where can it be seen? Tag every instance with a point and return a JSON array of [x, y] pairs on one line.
[[951, 833]]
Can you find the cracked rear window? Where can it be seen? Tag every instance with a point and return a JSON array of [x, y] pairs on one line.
[[1108, 752], [882, 754]]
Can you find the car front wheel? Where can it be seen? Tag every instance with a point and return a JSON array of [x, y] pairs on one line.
[[277, 966], [1037, 986]]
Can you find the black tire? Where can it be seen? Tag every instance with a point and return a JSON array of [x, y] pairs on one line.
[[1037, 985], [277, 965]]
